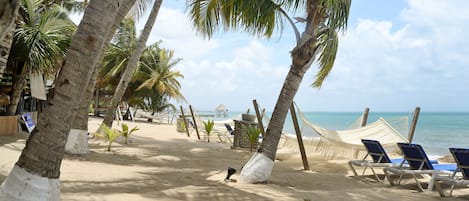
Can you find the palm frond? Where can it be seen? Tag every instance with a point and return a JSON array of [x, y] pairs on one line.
[[328, 42]]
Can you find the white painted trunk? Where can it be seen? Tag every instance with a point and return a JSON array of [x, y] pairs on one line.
[[77, 142], [257, 169], [21, 185]]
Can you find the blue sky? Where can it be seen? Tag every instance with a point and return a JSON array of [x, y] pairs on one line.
[[394, 56]]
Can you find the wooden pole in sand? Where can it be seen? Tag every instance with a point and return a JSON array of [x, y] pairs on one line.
[[259, 117], [299, 137], [414, 124], [184, 121], [365, 117], [363, 124], [195, 122]]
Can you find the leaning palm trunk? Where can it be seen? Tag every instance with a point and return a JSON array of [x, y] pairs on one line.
[[259, 168], [36, 174], [131, 65], [319, 37], [77, 142]]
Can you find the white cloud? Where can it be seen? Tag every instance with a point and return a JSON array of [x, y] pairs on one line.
[[386, 65], [176, 32]]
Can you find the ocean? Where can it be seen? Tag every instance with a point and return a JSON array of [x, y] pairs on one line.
[[435, 131]]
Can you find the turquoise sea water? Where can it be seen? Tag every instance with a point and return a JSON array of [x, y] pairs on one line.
[[436, 131]]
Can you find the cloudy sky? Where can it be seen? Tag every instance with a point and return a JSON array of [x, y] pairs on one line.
[[394, 56]]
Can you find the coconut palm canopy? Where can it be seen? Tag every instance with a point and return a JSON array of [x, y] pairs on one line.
[[317, 43]]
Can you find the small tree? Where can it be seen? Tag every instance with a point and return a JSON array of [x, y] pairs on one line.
[[253, 134], [208, 128], [126, 133], [109, 135]]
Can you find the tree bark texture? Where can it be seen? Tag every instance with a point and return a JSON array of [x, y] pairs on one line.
[[18, 87], [81, 118], [131, 65], [45, 147], [302, 57], [8, 11]]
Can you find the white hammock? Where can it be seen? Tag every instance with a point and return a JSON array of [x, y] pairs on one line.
[[341, 142]]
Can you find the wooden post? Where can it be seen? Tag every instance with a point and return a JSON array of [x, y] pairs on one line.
[[365, 116], [259, 117], [414, 124], [184, 120], [363, 124], [195, 123], [299, 137]]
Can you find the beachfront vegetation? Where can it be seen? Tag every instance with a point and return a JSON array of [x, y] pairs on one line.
[[253, 133], [108, 134], [41, 39], [317, 43], [153, 84], [132, 64], [208, 126], [44, 150], [126, 132]]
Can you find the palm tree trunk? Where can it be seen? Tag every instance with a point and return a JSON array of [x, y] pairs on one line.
[[5, 46], [36, 174], [18, 87], [77, 142], [8, 11], [259, 167], [131, 65]]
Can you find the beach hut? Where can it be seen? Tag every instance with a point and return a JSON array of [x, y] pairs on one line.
[[221, 111]]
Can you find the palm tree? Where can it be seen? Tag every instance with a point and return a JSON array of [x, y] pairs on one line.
[[131, 65], [318, 42], [77, 143], [38, 168], [39, 45], [157, 75]]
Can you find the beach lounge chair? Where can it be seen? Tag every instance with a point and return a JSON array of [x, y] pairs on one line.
[[379, 158], [418, 165], [229, 129], [461, 156]]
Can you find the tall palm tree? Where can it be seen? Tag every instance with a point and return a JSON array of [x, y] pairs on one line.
[[156, 74], [318, 42], [39, 45], [77, 142], [36, 174], [132, 64]]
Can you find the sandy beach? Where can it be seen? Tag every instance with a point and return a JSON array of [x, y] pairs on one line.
[[162, 164]]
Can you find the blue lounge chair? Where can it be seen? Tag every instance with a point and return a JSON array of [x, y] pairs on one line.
[[379, 158], [418, 164], [228, 127], [461, 156]]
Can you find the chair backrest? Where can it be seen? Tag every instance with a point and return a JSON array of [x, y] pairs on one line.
[[228, 127], [415, 156], [376, 151], [461, 156]]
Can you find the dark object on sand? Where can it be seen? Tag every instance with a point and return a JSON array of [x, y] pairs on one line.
[[231, 171]]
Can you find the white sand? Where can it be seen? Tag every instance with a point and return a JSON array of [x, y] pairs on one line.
[[162, 164]]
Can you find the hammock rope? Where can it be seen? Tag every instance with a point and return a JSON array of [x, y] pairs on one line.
[[347, 143]]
